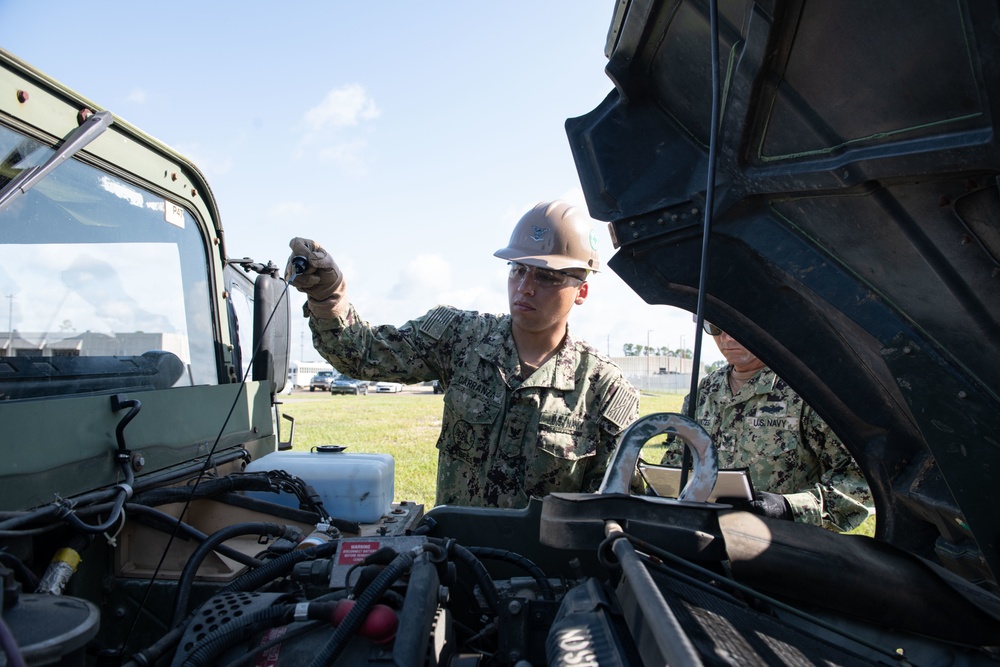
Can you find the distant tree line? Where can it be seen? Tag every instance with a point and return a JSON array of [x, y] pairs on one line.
[[633, 350]]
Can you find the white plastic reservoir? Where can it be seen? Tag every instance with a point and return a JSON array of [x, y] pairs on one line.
[[353, 487]]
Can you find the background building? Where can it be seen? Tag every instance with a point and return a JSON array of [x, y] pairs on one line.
[[658, 373]]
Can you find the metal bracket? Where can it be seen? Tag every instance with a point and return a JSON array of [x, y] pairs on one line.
[[622, 466]]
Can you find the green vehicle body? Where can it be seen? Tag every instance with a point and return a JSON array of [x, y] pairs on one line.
[[122, 199], [178, 423]]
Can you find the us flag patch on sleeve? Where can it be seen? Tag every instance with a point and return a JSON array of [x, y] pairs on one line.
[[621, 408], [437, 321]]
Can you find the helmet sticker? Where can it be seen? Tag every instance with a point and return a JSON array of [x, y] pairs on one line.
[[593, 239], [538, 233]]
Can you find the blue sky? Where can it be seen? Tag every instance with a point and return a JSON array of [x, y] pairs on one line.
[[407, 138]]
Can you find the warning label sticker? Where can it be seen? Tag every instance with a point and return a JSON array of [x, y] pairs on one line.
[[352, 552]]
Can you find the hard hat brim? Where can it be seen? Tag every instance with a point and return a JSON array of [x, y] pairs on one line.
[[556, 262]]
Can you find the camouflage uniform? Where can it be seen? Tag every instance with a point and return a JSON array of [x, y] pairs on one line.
[[788, 449], [503, 438]]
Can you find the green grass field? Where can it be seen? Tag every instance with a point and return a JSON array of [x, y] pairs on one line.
[[404, 425]]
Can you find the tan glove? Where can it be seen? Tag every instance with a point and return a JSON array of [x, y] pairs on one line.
[[321, 282]]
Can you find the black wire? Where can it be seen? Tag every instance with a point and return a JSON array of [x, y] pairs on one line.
[[399, 566], [208, 458], [482, 576], [237, 631], [520, 561], [30, 532], [713, 12], [113, 517], [186, 579], [29, 578], [190, 531], [310, 626], [124, 490]]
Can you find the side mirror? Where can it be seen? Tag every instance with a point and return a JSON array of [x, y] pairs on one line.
[[271, 327]]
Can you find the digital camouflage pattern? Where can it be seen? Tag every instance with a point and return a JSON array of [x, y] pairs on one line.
[[767, 428], [503, 438]]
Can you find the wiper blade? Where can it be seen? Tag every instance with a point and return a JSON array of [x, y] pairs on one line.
[[92, 128]]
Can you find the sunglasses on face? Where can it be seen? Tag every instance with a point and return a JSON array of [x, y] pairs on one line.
[[711, 329], [542, 277]]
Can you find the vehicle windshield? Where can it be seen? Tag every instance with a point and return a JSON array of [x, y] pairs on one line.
[[105, 284]]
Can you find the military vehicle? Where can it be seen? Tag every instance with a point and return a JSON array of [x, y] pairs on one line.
[[819, 179]]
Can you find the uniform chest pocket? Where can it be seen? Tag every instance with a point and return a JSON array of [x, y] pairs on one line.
[[469, 422], [567, 437], [769, 437], [776, 427]]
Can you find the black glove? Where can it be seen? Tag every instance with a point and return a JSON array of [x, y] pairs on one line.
[[773, 505]]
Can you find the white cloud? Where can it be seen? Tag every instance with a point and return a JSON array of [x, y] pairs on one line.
[[137, 96], [342, 107], [344, 153], [424, 275], [326, 123]]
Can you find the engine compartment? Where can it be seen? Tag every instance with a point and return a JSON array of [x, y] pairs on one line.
[[202, 571]]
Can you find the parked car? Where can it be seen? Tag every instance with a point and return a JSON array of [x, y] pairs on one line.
[[388, 387], [347, 385], [322, 380], [438, 389]]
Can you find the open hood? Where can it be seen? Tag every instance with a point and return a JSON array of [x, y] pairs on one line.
[[854, 243]]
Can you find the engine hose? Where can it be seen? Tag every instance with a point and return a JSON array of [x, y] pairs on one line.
[[486, 584], [281, 565], [187, 530], [46, 512], [114, 516], [289, 513], [237, 630], [208, 487], [29, 580], [152, 654], [124, 492], [124, 489], [9, 521], [30, 532], [267, 507], [186, 579], [9, 645], [356, 616], [224, 490], [520, 561]]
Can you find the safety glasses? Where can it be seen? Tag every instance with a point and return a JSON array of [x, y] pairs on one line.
[[542, 277], [711, 329]]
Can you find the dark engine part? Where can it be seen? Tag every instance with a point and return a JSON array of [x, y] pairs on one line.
[[557, 583], [52, 630], [395, 621], [589, 631]]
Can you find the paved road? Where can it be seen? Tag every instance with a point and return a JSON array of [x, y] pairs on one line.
[[407, 389]]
